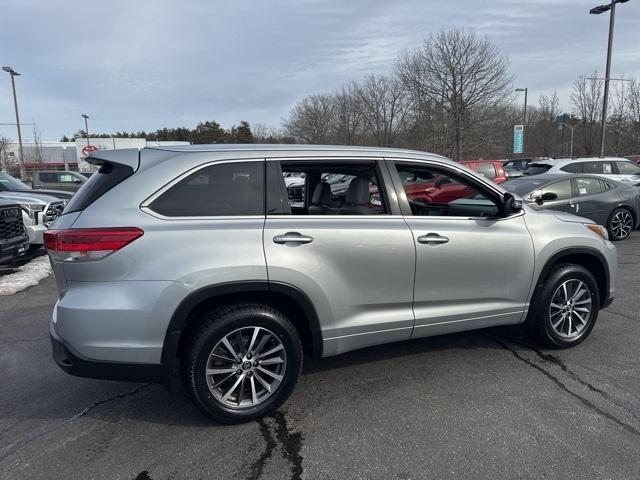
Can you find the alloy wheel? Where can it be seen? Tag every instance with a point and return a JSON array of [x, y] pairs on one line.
[[246, 367], [622, 223], [570, 309]]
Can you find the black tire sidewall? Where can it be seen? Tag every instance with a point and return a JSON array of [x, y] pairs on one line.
[[556, 278], [222, 323]]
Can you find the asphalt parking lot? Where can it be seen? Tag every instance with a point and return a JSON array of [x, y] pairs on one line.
[[484, 404]]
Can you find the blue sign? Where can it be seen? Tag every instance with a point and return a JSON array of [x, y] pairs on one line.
[[518, 139]]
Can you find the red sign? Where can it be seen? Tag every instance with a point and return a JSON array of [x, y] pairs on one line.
[[89, 149]]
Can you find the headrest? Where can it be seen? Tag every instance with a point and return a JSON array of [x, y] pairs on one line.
[[322, 194], [358, 193]]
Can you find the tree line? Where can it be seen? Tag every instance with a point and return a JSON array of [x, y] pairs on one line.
[[204, 132]]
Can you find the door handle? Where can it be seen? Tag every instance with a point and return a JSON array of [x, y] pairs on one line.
[[292, 237], [432, 238]]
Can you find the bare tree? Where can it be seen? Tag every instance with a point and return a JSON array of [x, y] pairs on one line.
[[633, 108], [383, 105], [543, 132], [587, 102], [348, 115], [8, 162], [459, 72], [312, 119]]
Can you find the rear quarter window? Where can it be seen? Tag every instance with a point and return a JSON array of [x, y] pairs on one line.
[[223, 189]]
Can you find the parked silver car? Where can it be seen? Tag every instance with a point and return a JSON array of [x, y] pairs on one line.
[[58, 179], [192, 260]]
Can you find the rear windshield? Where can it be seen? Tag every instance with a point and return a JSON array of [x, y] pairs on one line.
[[537, 168], [109, 175]]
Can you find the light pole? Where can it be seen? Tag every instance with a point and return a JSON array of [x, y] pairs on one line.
[[86, 126], [14, 74], [524, 115], [612, 16]]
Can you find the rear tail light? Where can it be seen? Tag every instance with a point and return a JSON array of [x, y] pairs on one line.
[[88, 244]]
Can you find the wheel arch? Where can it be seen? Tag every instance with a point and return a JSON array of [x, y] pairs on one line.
[[287, 298], [589, 258]]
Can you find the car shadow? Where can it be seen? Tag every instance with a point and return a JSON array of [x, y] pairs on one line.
[[113, 402]]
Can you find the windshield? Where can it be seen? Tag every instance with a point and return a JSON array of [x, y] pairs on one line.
[[8, 183]]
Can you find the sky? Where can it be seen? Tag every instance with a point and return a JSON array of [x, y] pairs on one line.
[[146, 64]]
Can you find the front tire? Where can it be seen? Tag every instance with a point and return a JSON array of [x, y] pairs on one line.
[[620, 224], [242, 363], [565, 308]]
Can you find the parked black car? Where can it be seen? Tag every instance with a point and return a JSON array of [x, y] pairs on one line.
[[13, 236], [612, 204]]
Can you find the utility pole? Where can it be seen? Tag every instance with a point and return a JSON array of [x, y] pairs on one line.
[[611, 7], [14, 74], [86, 126]]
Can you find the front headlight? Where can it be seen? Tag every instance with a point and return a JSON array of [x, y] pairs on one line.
[[32, 209], [599, 229]]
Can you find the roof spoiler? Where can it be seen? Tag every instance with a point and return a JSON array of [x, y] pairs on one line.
[[127, 156]]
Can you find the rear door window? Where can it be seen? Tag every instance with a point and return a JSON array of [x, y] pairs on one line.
[[223, 189], [588, 186], [600, 168], [48, 177]]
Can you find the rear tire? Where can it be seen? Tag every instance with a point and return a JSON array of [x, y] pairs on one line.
[[565, 308], [242, 363], [620, 224]]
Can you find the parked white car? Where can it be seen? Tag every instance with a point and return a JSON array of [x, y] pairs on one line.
[[38, 212], [613, 168]]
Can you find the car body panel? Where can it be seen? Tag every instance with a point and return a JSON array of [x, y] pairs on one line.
[[358, 271]]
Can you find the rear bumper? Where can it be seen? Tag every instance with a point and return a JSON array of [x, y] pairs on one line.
[[74, 364]]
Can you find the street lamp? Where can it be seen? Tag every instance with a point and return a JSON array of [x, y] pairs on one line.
[[14, 74], [524, 114], [86, 126], [597, 11]]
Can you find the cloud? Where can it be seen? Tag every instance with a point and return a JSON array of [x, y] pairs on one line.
[[147, 64]]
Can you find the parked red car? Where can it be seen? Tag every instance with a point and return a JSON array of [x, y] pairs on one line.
[[442, 189]]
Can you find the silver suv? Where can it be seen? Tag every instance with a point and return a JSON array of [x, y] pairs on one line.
[[194, 262]]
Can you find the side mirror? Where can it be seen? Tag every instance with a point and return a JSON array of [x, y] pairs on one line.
[[77, 180], [546, 197], [511, 204]]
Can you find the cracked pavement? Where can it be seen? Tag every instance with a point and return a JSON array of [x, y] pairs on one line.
[[485, 404]]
